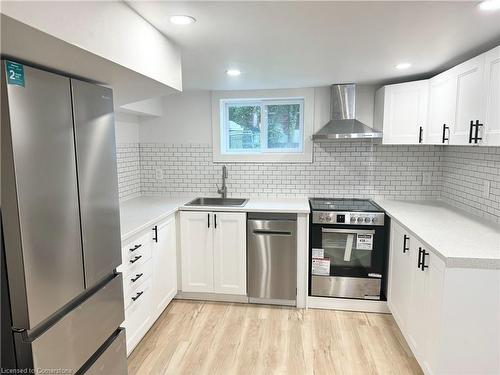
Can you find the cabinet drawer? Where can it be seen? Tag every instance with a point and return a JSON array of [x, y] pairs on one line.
[[136, 276], [138, 316], [137, 295], [135, 254]]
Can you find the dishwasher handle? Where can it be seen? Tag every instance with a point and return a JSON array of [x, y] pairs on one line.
[[272, 232]]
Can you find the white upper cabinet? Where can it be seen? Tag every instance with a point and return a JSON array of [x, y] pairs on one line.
[[460, 106], [442, 108], [470, 108], [492, 87], [401, 112]]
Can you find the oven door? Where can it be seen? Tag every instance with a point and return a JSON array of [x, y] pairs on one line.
[[351, 251]]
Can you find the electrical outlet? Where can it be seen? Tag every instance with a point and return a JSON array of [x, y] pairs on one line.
[[159, 174], [486, 188], [426, 178]]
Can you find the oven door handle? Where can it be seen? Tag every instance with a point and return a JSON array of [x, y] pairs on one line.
[[348, 231]]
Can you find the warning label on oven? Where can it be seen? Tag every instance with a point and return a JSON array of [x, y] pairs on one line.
[[365, 242], [321, 267]]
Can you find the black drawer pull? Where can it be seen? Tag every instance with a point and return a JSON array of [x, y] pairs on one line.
[[420, 134], [135, 259], [135, 247], [470, 131], [405, 238], [208, 215], [137, 296], [419, 257], [137, 277], [477, 137]]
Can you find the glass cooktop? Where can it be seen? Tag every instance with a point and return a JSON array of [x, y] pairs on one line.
[[343, 204]]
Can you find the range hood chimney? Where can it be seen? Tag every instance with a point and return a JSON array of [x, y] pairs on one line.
[[343, 123]]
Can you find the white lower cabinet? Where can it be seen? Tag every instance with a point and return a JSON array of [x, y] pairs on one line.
[[449, 316], [213, 252], [149, 271]]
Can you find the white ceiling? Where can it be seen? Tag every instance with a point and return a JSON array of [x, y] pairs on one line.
[[302, 44]]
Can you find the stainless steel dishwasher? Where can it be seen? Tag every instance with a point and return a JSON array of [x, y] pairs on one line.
[[272, 258]]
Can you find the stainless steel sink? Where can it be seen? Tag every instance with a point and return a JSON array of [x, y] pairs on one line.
[[223, 202]]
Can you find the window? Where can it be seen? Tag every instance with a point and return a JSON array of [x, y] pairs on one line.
[[251, 126], [263, 126]]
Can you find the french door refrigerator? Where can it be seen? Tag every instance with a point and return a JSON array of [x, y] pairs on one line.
[[61, 228]]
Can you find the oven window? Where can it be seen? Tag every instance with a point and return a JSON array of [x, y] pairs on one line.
[[348, 248]]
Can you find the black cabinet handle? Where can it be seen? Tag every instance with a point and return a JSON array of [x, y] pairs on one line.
[[419, 257], [137, 277], [423, 266], [135, 259], [208, 220], [215, 221], [405, 238], [446, 128], [155, 229], [420, 134], [135, 247], [470, 131], [137, 296], [476, 136]]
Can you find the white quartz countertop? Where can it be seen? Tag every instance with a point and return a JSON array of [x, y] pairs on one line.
[[138, 214], [460, 239]]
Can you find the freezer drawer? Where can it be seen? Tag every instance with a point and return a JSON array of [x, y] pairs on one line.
[[272, 258], [75, 338], [113, 360], [97, 179]]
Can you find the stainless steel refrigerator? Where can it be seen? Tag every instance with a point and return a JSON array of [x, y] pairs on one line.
[[61, 227]]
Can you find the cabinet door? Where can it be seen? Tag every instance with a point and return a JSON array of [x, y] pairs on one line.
[[405, 112], [492, 87], [442, 107], [164, 266], [230, 264], [425, 303], [470, 99], [399, 275], [197, 251]]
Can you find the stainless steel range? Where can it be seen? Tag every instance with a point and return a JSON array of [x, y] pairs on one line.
[[347, 250]]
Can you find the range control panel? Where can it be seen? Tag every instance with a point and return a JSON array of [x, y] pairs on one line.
[[350, 218]]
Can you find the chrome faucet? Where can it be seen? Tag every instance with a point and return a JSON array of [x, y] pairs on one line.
[[223, 189]]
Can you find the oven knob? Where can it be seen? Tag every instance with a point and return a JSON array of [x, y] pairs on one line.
[[321, 217], [367, 219], [353, 219], [360, 219], [328, 218], [374, 219]]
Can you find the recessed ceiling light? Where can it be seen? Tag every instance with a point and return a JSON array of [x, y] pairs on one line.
[[182, 20], [233, 72], [489, 5], [403, 66]]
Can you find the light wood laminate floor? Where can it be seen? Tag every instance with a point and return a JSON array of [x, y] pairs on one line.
[[225, 338]]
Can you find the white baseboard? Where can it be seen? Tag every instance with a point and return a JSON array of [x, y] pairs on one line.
[[348, 304]]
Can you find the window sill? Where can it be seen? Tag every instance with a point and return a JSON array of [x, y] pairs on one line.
[[263, 158]]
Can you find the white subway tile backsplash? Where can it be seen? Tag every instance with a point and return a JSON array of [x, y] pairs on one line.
[[129, 170], [359, 169]]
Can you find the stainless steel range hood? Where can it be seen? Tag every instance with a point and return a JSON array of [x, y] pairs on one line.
[[343, 123]]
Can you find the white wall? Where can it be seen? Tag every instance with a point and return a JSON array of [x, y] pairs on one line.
[[186, 119], [126, 128], [109, 29], [187, 116]]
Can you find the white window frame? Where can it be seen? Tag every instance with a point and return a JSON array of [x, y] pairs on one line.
[[222, 99]]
